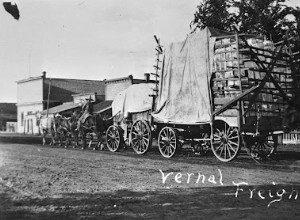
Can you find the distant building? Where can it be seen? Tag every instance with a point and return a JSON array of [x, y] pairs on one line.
[[114, 86], [102, 104], [33, 96], [67, 108], [65, 96], [8, 117]]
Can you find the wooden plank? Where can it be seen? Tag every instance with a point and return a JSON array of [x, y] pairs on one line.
[[281, 82], [225, 79], [264, 50], [268, 74], [216, 90], [233, 35], [260, 70], [275, 111], [221, 101], [280, 42], [266, 102], [233, 101], [282, 58]]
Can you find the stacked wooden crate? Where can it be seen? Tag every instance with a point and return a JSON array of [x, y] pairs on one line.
[[226, 77], [239, 66]]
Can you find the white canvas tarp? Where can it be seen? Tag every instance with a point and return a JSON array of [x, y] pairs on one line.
[[184, 91], [134, 99]]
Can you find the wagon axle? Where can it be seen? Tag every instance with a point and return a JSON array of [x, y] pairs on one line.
[[224, 139]]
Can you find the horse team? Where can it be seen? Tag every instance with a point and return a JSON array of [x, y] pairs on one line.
[[66, 130]]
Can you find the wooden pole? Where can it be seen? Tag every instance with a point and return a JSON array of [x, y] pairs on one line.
[[48, 100], [241, 117]]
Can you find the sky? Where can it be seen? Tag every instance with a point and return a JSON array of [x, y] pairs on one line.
[[91, 39]]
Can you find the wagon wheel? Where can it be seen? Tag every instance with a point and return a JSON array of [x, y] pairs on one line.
[[226, 142], [114, 138], [140, 136], [202, 146], [263, 147], [168, 142]]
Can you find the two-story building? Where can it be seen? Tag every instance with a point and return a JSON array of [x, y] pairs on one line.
[[114, 86], [42, 95], [36, 94]]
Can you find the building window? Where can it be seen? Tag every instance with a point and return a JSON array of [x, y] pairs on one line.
[[22, 118]]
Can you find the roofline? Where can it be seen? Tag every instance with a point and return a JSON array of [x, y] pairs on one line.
[[30, 103], [130, 77], [87, 93], [75, 79], [8, 103], [103, 110], [38, 102], [50, 78], [137, 81], [118, 79], [29, 79], [58, 110]]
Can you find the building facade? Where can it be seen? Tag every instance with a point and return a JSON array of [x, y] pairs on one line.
[[36, 94], [114, 86], [8, 116]]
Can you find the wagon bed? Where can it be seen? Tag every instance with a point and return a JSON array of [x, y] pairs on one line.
[[219, 90]]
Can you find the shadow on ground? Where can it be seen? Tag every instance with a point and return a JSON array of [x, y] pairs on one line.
[[196, 203]]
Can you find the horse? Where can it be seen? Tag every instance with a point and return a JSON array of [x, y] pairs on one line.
[[94, 125], [65, 128], [291, 119], [47, 125]]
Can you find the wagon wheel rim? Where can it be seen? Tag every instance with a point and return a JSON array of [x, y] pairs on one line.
[[226, 143], [264, 148], [140, 137], [167, 142], [113, 138]]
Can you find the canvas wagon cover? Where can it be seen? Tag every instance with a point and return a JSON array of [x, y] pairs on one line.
[[134, 99], [184, 91]]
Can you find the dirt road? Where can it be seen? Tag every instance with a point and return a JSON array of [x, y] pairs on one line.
[[38, 182]]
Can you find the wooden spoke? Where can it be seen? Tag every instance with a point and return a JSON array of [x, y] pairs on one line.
[[135, 133], [231, 142], [167, 142], [226, 142], [228, 150], [113, 138], [140, 136]]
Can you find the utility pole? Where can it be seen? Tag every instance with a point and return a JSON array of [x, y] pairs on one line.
[[48, 100]]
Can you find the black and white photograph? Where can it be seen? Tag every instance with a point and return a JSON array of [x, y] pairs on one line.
[[149, 109]]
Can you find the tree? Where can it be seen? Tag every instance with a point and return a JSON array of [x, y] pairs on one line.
[[262, 17], [295, 29], [213, 13]]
